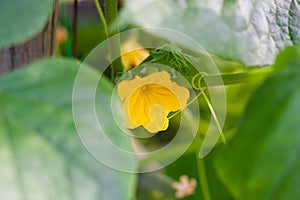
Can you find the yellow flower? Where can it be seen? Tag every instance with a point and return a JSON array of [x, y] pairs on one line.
[[149, 100], [133, 57]]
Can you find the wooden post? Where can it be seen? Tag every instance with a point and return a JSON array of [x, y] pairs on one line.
[[42, 45]]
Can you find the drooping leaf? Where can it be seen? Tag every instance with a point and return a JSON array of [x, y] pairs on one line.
[[249, 31], [263, 159], [21, 20], [41, 155]]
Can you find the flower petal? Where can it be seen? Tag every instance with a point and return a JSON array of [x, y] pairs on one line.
[[163, 78], [138, 108], [129, 123], [127, 87], [132, 54], [162, 95], [159, 119]]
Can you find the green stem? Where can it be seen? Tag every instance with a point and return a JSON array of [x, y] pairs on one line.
[[203, 179], [111, 14], [252, 76], [101, 16]]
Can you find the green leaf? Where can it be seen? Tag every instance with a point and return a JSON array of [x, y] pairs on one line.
[[21, 20], [263, 159], [41, 155], [248, 31]]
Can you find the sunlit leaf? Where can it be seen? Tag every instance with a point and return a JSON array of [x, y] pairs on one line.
[[248, 31], [41, 156]]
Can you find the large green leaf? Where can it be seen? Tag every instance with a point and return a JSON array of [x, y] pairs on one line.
[[41, 156], [251, 31], [263, 159], [21, 20]]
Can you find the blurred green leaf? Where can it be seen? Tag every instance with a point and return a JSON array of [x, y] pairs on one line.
[[263, 159], [41, 155], [218, 189], [248, 31], [21, 20]]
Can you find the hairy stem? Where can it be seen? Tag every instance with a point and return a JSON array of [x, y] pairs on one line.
[[111, 14]]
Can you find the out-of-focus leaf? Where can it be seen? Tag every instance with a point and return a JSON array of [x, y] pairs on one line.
[[250, 31], [263, 159], [21, 20], [41, 156]]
